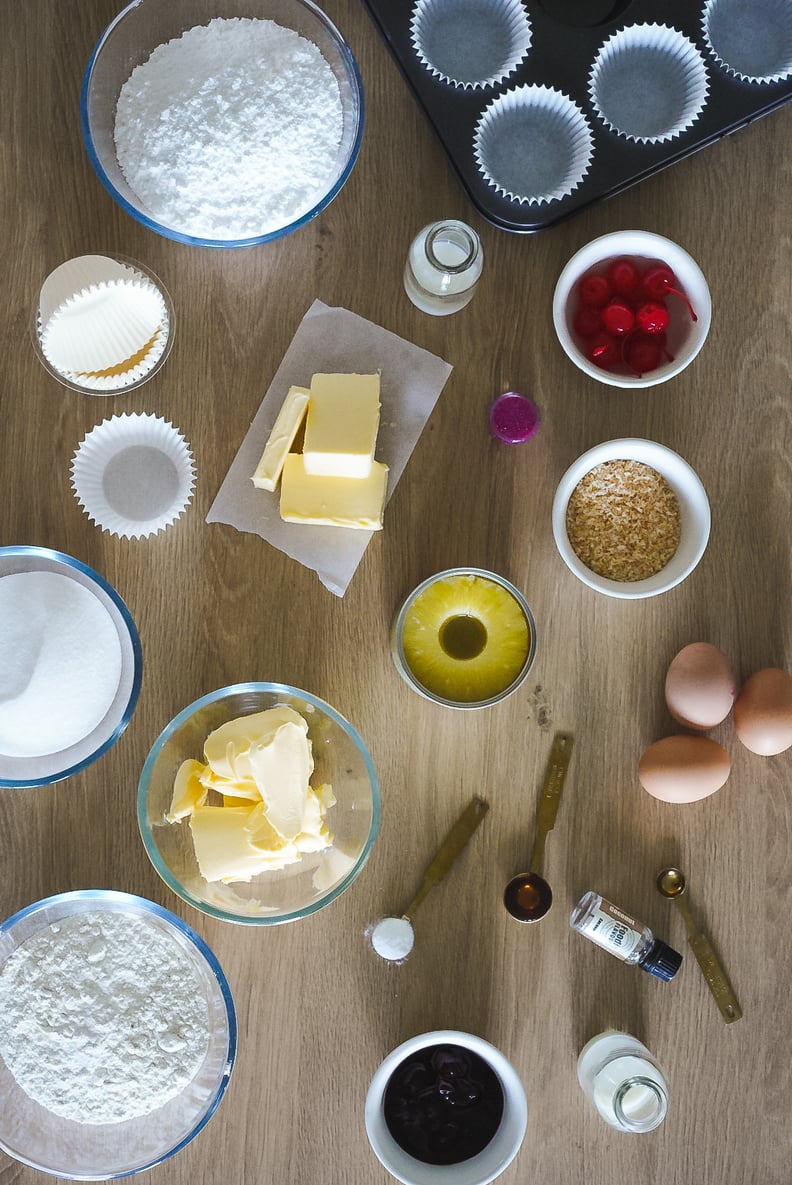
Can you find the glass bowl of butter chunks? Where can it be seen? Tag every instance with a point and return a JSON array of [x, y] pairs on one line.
[[259, 804]]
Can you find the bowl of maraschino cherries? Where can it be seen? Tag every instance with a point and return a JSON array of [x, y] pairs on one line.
[[632, 309]]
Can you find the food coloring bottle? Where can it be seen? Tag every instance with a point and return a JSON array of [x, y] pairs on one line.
[[624, 1082], [443, 267], [626, 938]]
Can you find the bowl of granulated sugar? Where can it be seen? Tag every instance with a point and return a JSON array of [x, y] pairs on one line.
[[70, 666], [222, 123]]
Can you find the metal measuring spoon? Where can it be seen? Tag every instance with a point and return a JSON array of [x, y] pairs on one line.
[[528, 896], [671, 883], [392, 938]]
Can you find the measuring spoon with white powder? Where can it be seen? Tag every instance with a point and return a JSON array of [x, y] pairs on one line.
[[393, 937]]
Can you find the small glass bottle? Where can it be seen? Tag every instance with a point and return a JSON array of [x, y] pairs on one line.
[[443, 267], [623, 1081], [626, 938]]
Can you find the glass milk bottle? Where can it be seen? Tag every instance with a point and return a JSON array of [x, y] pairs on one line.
[[623, 1081], [443, 267]]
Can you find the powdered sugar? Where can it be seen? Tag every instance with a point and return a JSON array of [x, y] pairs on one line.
[[104, 1017], [231, 130]]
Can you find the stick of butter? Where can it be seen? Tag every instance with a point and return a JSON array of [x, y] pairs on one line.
[[341, 429], [281, 438], [332, 501]]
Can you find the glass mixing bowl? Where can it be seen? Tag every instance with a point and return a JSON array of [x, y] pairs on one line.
[[340, 758], [92, 1152], [54, 767], [146, 24]]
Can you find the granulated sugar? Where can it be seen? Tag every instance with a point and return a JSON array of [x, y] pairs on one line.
[[60, 663], [104, 1018], [231, 130]]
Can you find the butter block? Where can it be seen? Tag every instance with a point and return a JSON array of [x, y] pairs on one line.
[[332, 501], [342, 425], [281, 438]]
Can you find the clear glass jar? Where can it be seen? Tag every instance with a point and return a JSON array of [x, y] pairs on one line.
[[624, 1082], [443, 267]]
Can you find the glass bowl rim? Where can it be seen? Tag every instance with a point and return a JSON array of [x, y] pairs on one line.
[[356, 83], [70, 561], [185, 929], [176, 723]]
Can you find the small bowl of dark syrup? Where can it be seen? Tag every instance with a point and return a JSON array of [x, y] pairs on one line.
[[446, 1107]]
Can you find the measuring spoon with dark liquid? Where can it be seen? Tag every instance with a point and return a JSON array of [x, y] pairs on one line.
[[528, 896]]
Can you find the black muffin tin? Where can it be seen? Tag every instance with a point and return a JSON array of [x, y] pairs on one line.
[[565, 38]]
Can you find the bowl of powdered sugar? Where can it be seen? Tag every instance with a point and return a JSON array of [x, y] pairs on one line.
[[222, 123], [70, 666], [118, 1035]]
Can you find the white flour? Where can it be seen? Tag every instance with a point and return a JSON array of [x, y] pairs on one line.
[[60, 663], [104, 1018], [230, 130]]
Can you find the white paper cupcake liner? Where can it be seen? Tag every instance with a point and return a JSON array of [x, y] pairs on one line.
[[533, 144], [133, 475], [130, 371], [76, 274], [470, 43], [102, 325], [648, 83], [750, 39]]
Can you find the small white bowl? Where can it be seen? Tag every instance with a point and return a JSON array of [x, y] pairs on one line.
[[684, 343], [694, 512], [478, 1170]]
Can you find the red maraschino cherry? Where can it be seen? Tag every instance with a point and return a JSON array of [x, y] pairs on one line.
[[652, 317], [642, 354], [624, 278], [618, 318], [602, 350], [659, 281], [587, 321], [594, 291]]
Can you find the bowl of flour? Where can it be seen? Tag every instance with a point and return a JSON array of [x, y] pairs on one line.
[[222, 123], [118, 1036], [70, 666]]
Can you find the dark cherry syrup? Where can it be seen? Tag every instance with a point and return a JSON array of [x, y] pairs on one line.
[[443, 1104]]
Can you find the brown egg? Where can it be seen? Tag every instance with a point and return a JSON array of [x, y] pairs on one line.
[[684, 769], [700, 686], [763, 712]]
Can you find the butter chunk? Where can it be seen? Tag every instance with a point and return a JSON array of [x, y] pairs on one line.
[[332, 501], [228, 748], [221, 843], [281, 438], [189, 791], [342, 425]]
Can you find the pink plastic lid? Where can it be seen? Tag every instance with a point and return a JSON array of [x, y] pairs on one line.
[[513, 418]]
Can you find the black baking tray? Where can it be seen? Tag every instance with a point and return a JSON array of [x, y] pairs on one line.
[[566, 35]]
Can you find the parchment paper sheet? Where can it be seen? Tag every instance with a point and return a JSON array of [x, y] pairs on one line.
[[333, 341]]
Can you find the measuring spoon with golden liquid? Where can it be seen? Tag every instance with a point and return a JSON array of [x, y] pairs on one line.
[[671, 883], [528, 896]]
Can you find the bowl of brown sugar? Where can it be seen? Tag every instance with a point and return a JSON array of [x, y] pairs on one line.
[[631, 518]]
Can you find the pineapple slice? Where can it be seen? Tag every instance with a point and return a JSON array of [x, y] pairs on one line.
[[465, 638]]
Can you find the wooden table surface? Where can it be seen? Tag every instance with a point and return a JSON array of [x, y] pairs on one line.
[[317, 1009]]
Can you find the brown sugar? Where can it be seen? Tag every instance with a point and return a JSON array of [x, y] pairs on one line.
[[623, 521]]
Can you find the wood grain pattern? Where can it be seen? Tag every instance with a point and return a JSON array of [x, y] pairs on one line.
[[317, 1009]]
